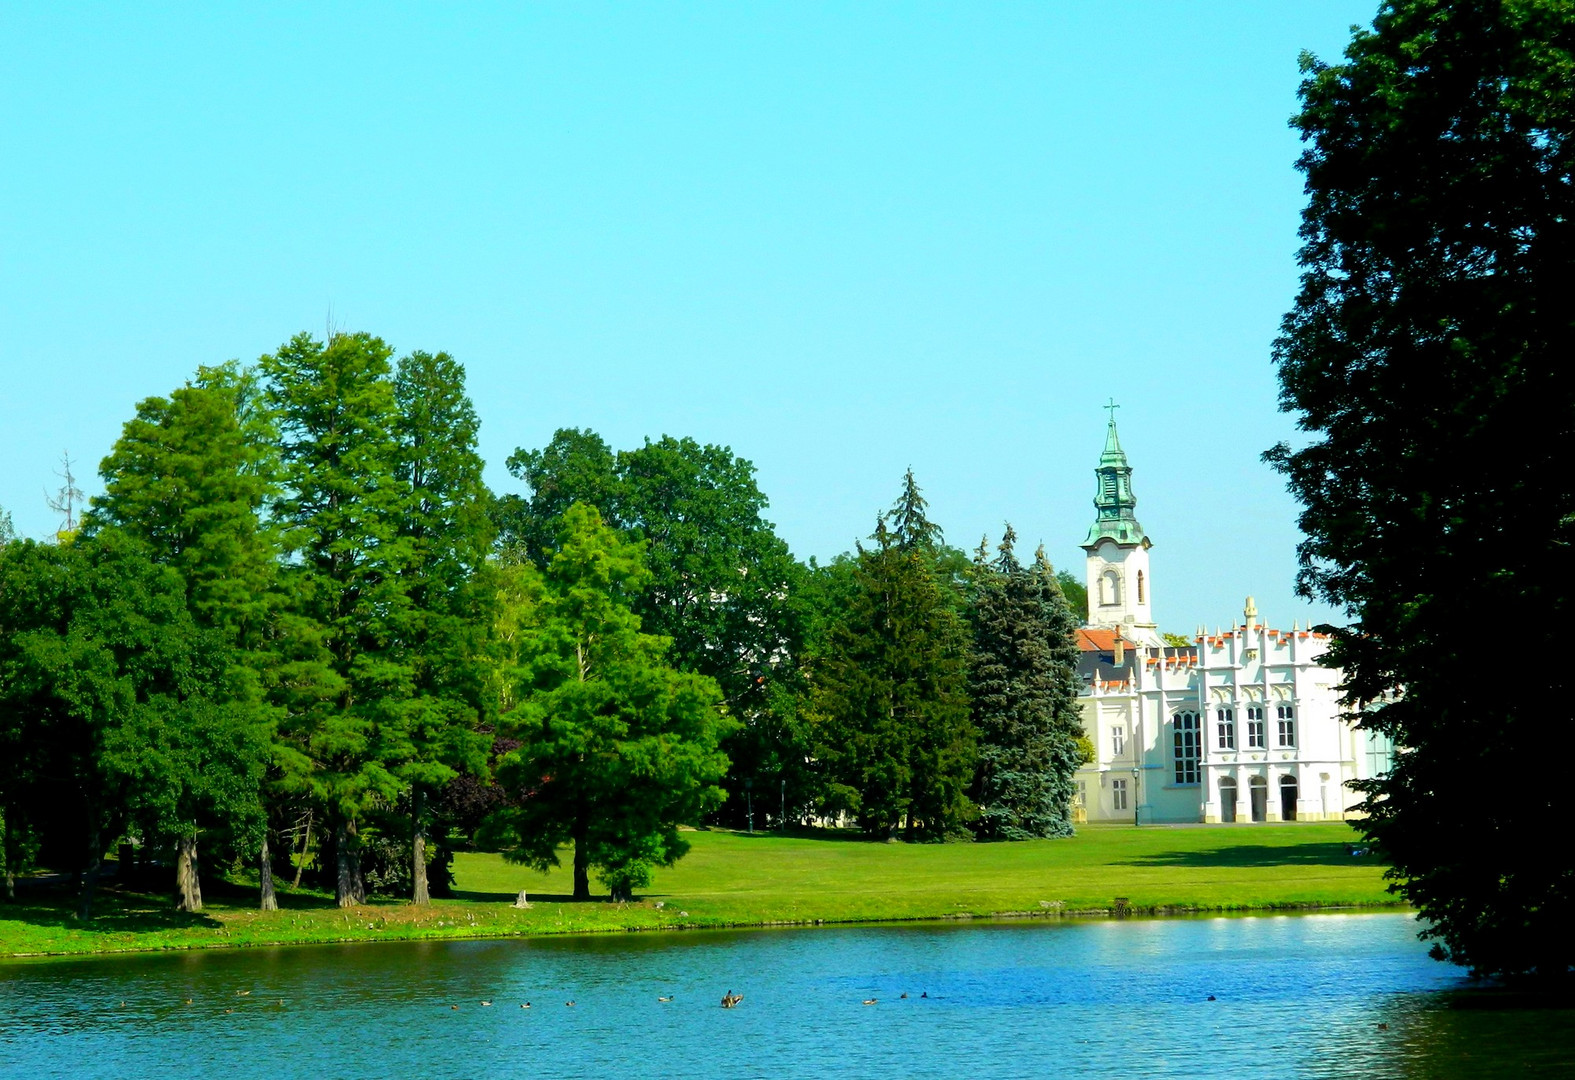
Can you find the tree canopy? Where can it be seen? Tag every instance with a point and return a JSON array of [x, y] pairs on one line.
[[1427, 352], [888, 695], [1024, 687], [616, 747]]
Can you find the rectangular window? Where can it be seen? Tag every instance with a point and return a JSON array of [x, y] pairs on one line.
[[1225, 720], [1118, 740], [1118, 794], [1255, 732], [1287, 718], [1187, 738], [1082, 793]]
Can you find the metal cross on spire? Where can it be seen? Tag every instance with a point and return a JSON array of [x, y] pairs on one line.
[[1112, 407]]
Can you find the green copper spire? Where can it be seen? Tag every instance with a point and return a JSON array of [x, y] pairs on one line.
[[1114, 502]]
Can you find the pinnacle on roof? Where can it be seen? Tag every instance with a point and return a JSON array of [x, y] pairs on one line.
[[1116, 506]]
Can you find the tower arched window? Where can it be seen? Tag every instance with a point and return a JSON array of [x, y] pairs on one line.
[[1110, 588], [1140, 587]]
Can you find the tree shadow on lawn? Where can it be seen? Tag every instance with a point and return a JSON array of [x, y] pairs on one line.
[[473, 896], [1249, 855], [115, 911]]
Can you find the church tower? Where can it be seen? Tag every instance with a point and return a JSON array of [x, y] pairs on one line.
[[1120, 593]]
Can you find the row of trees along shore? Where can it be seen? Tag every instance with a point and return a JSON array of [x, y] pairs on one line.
[[296, 633]]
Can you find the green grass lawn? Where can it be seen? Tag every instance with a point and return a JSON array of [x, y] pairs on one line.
[[731, 879]]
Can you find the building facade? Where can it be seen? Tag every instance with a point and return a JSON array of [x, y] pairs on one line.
[[1243, 725]]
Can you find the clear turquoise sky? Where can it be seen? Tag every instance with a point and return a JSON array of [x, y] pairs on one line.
[[840, 238]]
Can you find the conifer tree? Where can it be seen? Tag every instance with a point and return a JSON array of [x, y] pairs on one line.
[[1022, 682], [188, 479], [888, 697], [446, 581], [341, 515]]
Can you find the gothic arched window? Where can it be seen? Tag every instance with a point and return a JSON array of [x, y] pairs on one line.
[[1110, 588]]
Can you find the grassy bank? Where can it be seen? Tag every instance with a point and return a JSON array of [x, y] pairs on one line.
[[730, 879]]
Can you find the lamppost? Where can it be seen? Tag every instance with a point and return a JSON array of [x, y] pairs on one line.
[[749, 798], [1136, 774]]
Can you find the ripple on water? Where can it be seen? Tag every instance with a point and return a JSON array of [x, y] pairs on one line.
[[1298, 995]]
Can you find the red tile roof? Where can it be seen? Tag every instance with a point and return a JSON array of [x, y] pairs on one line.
[[1100, 640]]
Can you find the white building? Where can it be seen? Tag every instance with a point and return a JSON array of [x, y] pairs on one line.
[[1243, 725]]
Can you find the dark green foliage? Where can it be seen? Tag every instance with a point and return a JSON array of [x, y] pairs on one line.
[[888, 696], [1429, 353], [722, 583], [443, 628], [1076, 593], [189, 477], [616, 748], [342, 516], [577, 466], [1023, 685], [117, 710]]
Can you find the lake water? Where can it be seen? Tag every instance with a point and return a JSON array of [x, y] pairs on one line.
[[1311, 995]]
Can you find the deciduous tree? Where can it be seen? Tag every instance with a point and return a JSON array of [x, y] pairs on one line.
[[617, 748], [1428, 356]]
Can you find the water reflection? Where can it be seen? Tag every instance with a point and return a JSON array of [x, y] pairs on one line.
[[1307, 995]]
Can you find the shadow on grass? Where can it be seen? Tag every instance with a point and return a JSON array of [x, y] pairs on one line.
[[53, 904], [839, 836], [115, 911], [471, 896], [1256, 855]]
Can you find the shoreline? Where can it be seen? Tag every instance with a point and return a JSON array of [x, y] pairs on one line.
[[456, 933]]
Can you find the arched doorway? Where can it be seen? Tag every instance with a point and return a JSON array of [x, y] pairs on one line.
[[1258, 796], [1287, 797], [1227, 798]]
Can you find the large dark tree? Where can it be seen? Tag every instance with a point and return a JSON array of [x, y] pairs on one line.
[[188, 478], [116, 708], [343, 518], [722, 583], [448, 589], [1429, 355], [888, 696], [1023, 685]]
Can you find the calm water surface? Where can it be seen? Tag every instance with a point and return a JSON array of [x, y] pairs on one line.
[[1295, 996]]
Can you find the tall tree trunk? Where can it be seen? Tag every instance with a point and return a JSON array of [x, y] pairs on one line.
[[269, 902], [10, 840], [188, 885], [306, 840], [582, 860], [349, 887], [95, 855], [418, 850]]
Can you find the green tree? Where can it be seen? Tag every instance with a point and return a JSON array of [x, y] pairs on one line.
[[116, 708], [341, 516], [576, 466], [7, 530], [888, 697], [448, 587], [722, 582], [617, 748], [1076, 593], [1427, 350], [1023, 685], [188, 478]]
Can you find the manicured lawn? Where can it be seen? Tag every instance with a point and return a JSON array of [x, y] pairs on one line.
[[734, 879]]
